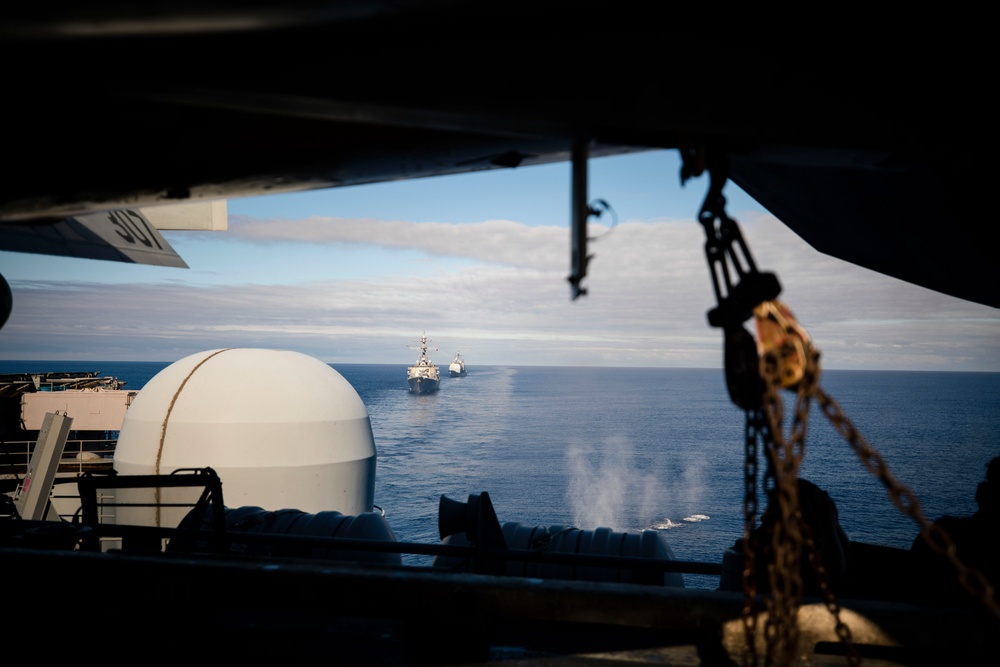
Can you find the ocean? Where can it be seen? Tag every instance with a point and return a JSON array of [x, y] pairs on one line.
[[649, 448]]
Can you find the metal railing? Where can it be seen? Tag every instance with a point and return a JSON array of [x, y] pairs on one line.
[[82, 453]]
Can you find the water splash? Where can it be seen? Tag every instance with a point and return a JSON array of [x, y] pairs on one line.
[[608, 490]]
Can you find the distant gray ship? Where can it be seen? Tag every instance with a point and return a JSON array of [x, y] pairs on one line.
[[457, 367]]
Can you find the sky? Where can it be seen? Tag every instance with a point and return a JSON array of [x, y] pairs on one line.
[[480, 263]]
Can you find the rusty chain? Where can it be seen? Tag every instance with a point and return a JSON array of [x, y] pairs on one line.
[[784, 571], [829, 599], [786, 359], [902, 497], [789, 360], [755, 428]]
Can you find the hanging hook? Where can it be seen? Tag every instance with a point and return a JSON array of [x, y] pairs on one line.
[[729, 259], [739, 288], [598, 208]]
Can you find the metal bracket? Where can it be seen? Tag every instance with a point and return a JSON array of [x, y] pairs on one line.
[[32, 500], [730, 261], [739, 288], [580, 212]]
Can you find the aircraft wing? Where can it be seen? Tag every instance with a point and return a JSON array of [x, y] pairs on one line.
[[122, 235], [117, 235]]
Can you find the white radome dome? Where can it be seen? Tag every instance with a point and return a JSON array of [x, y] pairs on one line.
[[283, 430]]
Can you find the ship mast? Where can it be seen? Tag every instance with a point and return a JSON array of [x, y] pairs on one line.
[[423, 360]]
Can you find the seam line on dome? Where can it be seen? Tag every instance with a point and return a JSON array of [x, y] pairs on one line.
[[166, 418]]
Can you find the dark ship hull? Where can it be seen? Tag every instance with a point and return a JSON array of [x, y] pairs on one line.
[[424, 385]]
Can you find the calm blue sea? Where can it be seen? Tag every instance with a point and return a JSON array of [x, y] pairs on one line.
[[637, 448]]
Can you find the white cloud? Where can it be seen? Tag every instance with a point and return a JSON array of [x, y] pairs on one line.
[[498, 288], [497, 241]]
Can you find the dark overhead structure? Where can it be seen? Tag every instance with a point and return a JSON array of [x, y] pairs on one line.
[[868, 141]]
